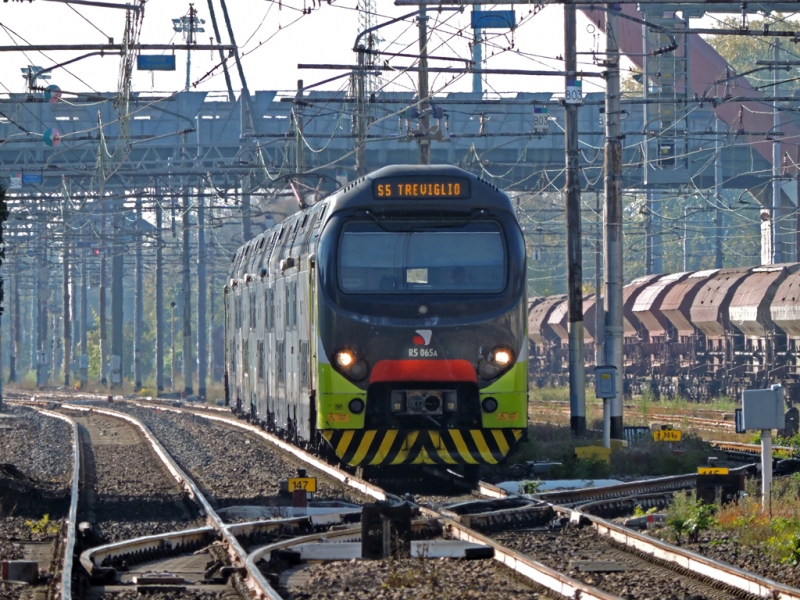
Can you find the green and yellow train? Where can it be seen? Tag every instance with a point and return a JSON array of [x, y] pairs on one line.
[[386, 323]]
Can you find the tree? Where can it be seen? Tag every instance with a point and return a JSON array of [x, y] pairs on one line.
[[742, 52]]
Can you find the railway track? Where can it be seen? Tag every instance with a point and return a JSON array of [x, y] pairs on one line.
[[532, 515]]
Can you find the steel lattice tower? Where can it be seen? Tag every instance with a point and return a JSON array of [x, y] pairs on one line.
[[367, 17]]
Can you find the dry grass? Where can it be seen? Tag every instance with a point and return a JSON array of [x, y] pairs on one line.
[[776, 530]]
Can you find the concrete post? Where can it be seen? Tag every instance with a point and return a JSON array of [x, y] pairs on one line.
[[613, 269], [577, 377]]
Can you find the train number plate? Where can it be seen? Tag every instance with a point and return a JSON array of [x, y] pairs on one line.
[[309, 484], [667, 435], [422, 353]]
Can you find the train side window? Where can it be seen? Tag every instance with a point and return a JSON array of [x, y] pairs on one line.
[[252, 310], [288, 319], [294, 305], [261, 361], [280, 350], [245, 356], [304, 366], [271, 309]]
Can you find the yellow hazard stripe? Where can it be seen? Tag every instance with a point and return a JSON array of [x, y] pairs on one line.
[[461, 445], [344, 443], [363, 447], [408, 443], [502, 445], [385, 447], [441, 450], [480, 442]]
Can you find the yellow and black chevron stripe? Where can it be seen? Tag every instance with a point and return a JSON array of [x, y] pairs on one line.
[[425, 447]]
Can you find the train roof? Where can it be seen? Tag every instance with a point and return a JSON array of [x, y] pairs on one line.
[[431, 189]]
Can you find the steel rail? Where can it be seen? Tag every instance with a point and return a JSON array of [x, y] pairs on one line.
[[526, 566], [72, 527], [519, 563], [706, 567], [235, 549], [648, 486], [362, 486]]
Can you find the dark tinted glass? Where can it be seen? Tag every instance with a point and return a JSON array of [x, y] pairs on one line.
[[471, 258]]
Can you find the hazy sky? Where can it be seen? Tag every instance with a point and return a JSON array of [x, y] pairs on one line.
[[274, 37]]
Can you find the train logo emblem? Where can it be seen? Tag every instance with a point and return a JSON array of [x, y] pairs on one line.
[[422, 337]]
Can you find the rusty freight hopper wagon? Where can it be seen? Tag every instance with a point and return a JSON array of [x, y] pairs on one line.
[[386, 324]]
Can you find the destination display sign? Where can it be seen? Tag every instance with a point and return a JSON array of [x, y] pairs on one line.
[[402, 188]]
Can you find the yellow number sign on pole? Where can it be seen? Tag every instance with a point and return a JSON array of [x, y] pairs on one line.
[[308, 484], [712, 471], [667, 435]]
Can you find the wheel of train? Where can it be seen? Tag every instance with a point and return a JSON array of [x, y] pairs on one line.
[[387, 320]]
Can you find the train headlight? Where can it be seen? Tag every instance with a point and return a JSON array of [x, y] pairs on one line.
[[489, 405], [349, 364], [498, 361], [502, 356], [345, 358]]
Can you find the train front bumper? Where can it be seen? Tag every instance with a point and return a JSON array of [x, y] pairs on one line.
[[422, 447]]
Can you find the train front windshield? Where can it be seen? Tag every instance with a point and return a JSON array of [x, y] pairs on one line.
[[467, 259]]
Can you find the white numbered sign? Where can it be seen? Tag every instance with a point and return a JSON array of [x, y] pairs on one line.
[[574, 92]]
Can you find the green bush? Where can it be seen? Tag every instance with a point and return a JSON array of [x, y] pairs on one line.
[[689, 516]]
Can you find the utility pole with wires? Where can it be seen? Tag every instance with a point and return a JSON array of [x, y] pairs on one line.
[[424, 121], [572, 197], [189, 25], [612, 217], [777, 255]]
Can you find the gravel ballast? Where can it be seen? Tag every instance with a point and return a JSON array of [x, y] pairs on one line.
[[560, 549], [409, 578], [35, 472], [126, 490], [232, 466]]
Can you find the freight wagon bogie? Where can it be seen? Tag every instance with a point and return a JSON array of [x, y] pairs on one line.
[[698, 335]]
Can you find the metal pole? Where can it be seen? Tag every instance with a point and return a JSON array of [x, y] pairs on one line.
[[43, 298], [477, 62], [202, 291], [648, 233], [221, 53], [212, 297], [656, 232], [766, 468], [686, 238], [246, 233], [65, 273], [612, 268], [187, 298], [172, 343], [17, 340], [103, 279], [718, 233], [84, 359], [189, 40], [577, 377], [776, 163], [424, 143], [299, 149], [360, 121], [117, 290], [159, 296], [138, 306], [75, 311], [599, 314]]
